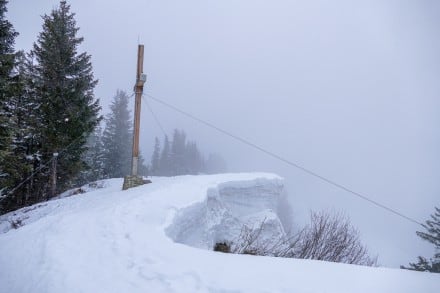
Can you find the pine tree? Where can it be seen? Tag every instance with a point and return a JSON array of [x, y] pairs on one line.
[[165, 160], [93, 158], [7, 61], [193, 159], [182, 157], [25, 125], [117, 138], [432, 235], [155, 158], [64, 83], [215, 164], [143, 169], [7, 77], [177, 155]]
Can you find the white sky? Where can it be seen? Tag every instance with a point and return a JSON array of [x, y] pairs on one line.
[[349, 89]]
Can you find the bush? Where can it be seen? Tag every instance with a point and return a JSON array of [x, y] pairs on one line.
[[251, 241], [222, 247], [328, 237], [331, 237]]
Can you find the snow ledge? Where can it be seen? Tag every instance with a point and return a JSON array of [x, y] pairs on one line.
[[226, 209]]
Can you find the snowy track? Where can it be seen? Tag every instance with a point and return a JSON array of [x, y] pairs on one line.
[[110, 240]]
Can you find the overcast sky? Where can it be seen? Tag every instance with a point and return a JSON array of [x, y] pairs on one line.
[[348, 89]]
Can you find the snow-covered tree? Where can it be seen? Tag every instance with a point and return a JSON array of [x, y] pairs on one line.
[[165, 159], [193, 159], [93, 158], [432, 235], [155, 158], [215, 164], [117, 138], [7, 62], [64, 83], [177, 155], [25, 125], [143, 169], [16, 112]]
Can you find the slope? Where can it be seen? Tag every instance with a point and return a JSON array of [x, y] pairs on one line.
[[110, 240]]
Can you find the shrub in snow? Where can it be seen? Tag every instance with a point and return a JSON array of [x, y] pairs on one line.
[[222, 247], [15, 224], [243, 217], [254, 241], [328, 237], [331, 237]]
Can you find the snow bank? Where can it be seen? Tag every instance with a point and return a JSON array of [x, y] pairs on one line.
[[228, 208], [109, 240], [27, 215]]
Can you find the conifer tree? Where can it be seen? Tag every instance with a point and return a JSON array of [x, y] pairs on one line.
[[215, 164], [432, 235], [7, 91], [93, 158], [165, 159], [7, 61], [155, 158], [64, 82], [117, 138], [24, 125], [143, 169], [177, 155], [193, 159]]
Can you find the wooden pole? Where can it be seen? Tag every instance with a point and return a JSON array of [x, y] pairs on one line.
[[138, 88], [53, 187]]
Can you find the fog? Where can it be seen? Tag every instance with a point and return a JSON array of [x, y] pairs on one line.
[[348, 89]]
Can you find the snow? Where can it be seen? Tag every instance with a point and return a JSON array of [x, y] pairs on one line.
[[228, 208], [158, 238]]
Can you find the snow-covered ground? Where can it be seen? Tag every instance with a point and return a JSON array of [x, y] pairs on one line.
[[157, 238]]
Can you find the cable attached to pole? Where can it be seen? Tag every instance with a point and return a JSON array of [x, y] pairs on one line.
[[154, 116], [36, 171], [288, 162]]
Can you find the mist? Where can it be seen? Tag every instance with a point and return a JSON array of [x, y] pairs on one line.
[[349, 90]]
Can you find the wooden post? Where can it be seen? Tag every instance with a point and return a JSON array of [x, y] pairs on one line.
[[138, 88], [134, 180], [53, 187]]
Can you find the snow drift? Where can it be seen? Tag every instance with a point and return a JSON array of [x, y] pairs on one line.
[[228, 208], [108, 240]]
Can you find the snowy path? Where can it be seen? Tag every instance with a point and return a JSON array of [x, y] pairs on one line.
[[113, 241]]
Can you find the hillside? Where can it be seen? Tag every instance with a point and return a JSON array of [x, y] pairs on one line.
[[158, 238]]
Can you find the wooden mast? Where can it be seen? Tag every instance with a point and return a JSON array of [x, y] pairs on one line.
[[138, 88]]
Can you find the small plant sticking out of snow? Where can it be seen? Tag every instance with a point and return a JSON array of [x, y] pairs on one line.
[[97, 184], [16, 223], [329, 237], [83, 189], [78, 191], [254, 241], [222, 247]]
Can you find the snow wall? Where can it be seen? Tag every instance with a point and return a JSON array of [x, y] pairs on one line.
[[227, 210]]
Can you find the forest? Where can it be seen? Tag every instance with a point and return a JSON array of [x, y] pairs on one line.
[[52, 134]]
